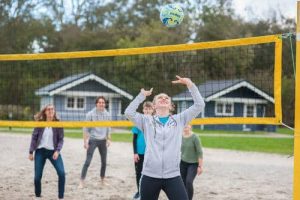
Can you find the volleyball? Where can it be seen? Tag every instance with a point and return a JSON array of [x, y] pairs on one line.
[[171, 15]]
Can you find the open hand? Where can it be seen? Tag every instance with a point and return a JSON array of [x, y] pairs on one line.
[[184, 81], [146, 92]]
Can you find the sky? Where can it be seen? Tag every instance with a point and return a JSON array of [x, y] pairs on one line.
[[261, 8], [256, 9]]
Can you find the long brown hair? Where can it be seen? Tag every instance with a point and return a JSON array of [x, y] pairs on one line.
[[41, 116]]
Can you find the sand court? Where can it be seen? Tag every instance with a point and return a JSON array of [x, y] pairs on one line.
[[230, 175]]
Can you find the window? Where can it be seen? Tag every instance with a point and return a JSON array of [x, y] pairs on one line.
[[219, 108], [75, 103], [224, 109], [80, 103], [182, 107], [228, 108], [70, 102]]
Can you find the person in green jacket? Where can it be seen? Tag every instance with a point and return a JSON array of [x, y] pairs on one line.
[[191, 159]]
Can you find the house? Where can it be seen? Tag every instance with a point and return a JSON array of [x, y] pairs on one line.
[[230, 98], [75, 95]]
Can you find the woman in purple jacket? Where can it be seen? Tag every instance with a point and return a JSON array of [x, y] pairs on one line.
[[47, 143]]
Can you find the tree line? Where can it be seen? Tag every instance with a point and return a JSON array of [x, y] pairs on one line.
[[32, 26]]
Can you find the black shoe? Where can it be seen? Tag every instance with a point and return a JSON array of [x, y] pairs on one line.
[[136, 196]]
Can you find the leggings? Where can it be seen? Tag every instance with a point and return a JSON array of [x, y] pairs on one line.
[[151, 187], [188, 173], [138, 170], [93, 144]]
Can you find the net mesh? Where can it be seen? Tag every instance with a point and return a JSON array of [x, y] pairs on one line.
[[239, 80]]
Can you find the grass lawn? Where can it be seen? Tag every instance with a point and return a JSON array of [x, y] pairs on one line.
[[268, 145], [117, 137], [227, 132], [285, 131]]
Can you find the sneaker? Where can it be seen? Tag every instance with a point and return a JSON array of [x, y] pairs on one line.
[[136, 196]]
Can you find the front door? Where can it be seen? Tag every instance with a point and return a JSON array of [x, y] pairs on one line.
[[249, 111]]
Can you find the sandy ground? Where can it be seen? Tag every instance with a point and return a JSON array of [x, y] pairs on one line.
[[229, 175]]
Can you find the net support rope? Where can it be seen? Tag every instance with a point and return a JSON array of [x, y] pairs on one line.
[[290, 36]]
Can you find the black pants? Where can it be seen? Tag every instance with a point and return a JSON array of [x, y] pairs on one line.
[[138, 170], [93, 144], [188, 173], [173, 187]]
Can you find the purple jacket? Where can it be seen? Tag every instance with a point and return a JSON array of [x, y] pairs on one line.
[[58, 138]]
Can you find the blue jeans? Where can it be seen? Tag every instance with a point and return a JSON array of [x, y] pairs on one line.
[[41, 155]]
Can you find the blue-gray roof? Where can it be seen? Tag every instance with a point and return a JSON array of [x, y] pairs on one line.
[[214, 89], [210, 87], [75, 81], [48, 88]]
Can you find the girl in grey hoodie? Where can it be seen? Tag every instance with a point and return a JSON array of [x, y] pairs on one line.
[[163, 136]]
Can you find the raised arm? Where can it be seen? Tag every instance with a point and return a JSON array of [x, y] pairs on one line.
[[187, 115], [130, 111]]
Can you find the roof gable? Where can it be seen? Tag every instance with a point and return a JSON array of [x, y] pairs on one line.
[[213, 89], [48, 88], [91, 86], [72, 82]]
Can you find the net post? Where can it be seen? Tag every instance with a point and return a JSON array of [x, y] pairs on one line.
[[297, 111]]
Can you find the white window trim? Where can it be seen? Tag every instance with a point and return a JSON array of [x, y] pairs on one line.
[[264, 111], [75, 103], [183, 106], [224, 108], [254, 109], [119, 113], [202, 116], [110, 106], [120, 105]]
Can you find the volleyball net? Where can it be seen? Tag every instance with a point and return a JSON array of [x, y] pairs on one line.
[[240, 81]]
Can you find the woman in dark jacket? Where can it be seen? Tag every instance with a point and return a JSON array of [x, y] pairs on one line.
[[47, 143]]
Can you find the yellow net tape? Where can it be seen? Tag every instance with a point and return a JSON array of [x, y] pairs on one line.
[[277, 119], [144, 50]]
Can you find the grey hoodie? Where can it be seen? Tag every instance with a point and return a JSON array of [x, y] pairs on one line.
[[163, 142], [98, 133]]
